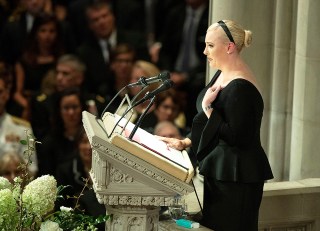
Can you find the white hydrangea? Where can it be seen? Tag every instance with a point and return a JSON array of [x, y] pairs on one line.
[[40, 194], [50, 226], [4, 183], [65, 209], [8, 212]]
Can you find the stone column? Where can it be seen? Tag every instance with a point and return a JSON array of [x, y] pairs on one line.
[[281, 89], [305, 141]]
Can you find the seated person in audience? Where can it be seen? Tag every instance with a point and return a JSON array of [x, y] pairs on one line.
[[105, 36], [58, 146], [74, 174], [69, 73], [12, 129], [167, 129], [140, 69], [74, 171], [44, 46], [17, 27], [9, 165], [167, 107], [122, 59]]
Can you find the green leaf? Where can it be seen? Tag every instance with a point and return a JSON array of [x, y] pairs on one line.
[[101, 218], [24, 142]]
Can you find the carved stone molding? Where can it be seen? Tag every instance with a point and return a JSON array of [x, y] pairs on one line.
[[137, 200], [117, 176], [102, 150], [133, 218]]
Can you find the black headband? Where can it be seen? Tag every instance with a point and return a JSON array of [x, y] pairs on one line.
[[226, 30]]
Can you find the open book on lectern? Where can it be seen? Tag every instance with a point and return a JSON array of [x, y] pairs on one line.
[[147, 147]]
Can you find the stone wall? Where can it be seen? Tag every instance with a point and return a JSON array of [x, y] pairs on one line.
[[291, 206]]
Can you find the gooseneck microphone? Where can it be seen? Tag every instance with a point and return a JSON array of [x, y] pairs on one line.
[[165, 86], [143, 81], [137, 125]]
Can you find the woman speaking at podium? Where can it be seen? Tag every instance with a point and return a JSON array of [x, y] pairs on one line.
[[225, 134]]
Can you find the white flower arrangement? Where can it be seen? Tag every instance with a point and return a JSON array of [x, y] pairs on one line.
[[28, 205], [50, 226]]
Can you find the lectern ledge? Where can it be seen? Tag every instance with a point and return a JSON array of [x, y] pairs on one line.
[[133, 178]]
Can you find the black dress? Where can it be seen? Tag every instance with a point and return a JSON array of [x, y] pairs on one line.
[[231, 157]]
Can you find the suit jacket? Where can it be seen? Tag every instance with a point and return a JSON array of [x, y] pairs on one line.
[[98, 76], [172, 37], [12, 39], [228, 144], [126, 10]]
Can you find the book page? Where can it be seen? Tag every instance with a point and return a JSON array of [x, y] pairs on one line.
[[149, 141]]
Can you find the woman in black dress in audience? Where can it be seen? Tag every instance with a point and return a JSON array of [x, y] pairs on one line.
[[59, 145], [44, 46]]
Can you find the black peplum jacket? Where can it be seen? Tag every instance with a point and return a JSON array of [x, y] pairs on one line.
[[227, 144]]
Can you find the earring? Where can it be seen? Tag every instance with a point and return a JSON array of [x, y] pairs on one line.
[[228, 52]]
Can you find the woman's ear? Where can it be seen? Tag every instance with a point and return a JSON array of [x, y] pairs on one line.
[[231, 48]]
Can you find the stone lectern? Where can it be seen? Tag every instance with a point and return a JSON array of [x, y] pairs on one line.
[[133, 178]]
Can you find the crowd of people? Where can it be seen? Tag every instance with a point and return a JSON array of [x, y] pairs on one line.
[[58, 58]]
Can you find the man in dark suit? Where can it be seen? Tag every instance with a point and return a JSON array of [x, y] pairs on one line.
[[95, 51], [182, 45]]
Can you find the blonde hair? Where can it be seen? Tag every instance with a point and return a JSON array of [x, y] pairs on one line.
[[148, 68], [73, 61], [242, 38], [8, 158]]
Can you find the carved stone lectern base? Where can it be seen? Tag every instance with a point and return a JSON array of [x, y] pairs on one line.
[[132, 188], [133, 218]]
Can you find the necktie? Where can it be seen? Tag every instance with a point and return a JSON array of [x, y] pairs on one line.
[[106, 51], [189, 38]]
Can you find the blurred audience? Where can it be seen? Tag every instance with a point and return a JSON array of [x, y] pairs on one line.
[[122, 59], [75, 174], [104, 36], [44, 46], [167, 107], [7, 9], [9, 165], [108, 36], [12, 129], [69, 73], [58, 146], [19, 23], [140, 69], [167, 129], [182, 50], [76, 15], [74, 171], [15, 30]]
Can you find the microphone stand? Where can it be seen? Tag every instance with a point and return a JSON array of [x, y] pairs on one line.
[[141, 118], [145, 84], [127, 110], [111, 101]]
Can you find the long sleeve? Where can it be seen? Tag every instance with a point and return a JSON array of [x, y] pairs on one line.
[[229, 146]]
